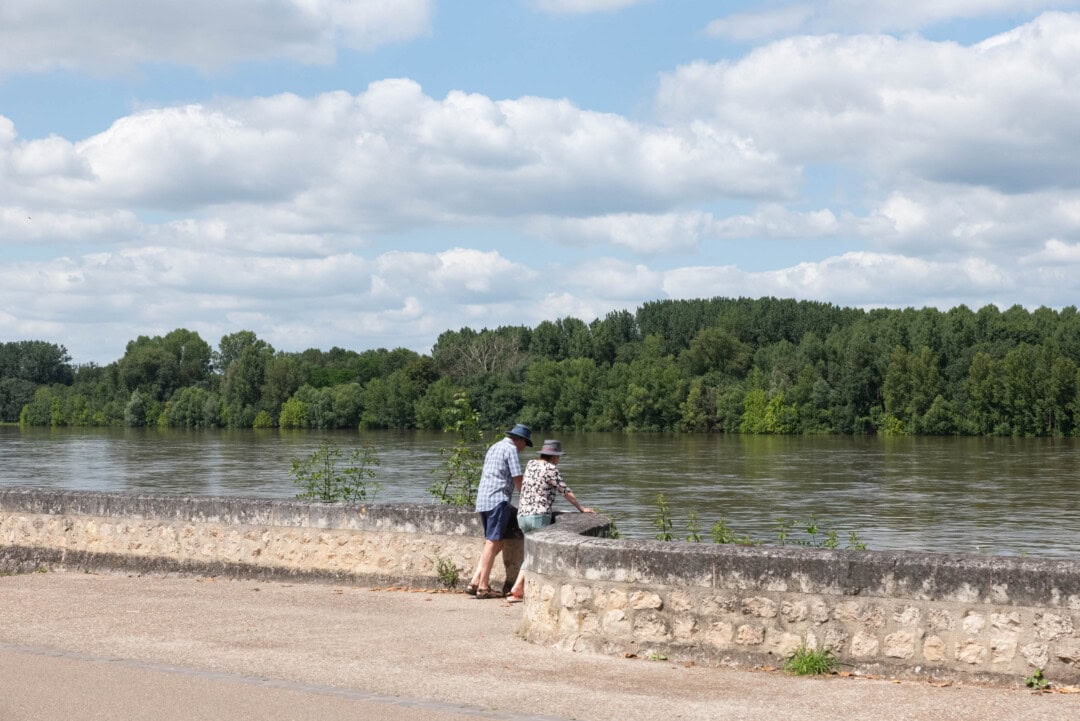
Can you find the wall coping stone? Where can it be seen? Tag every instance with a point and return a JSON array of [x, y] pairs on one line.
[[234, 510], [573, 547]]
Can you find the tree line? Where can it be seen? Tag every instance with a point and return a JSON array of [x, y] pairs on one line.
[[729, 365]]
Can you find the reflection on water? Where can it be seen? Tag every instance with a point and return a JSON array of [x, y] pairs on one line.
[[973, 495]]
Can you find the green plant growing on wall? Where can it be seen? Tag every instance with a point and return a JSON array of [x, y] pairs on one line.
[[855, 543], [662, 521], [722, 533], [320, 477], [448, 572], [463, 463], [814, 535], [612, 530], [810, 662], [693, 527], [1037, 681]]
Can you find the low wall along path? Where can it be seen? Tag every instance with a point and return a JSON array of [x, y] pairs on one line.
[[900, 615]]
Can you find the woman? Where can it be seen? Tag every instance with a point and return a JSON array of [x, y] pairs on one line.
[[538, 486]]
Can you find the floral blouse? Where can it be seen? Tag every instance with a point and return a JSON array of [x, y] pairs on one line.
[[538, 487]]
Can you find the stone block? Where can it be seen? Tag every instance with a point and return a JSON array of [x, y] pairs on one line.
[[1036, 654], [794, 611], [973, 623], [864, 645], [1050, 626], [1003, 646], [651, 627], [616, 625], [645, 600], [720, 634], [760, 607], [907, 615], [934, 649], [783, 643], [942, 619], [1068, 652], [900, 644], [748, 635], [971, 652]]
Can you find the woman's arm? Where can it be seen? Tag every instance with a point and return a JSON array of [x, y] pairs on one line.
[[569, 496]]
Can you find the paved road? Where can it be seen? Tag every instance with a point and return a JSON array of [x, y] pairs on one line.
[[77, 647]]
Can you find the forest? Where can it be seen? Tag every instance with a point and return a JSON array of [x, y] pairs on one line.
[[720, 365]]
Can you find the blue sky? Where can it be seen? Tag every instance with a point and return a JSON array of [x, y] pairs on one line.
[[370, 174]]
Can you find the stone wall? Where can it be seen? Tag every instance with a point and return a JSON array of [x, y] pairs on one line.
[[242, 537], [900, 615]]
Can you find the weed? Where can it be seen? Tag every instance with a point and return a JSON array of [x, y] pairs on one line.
[[693, 527], [663, 519], [722, 533], [810, 662], [815, 535], [854, 543], [1037, 681], [612, 530], [321, 480], [448, 572], [656, 656]]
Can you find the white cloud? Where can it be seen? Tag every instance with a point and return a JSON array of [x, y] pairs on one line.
[[996, 113], [867, 16], [614, 280], [1054, 252], [92, 302], [390, 157], [581, 7], [113, 35], [644, 234], [934, 219], [857, 278], [683, 232], [458, 275]]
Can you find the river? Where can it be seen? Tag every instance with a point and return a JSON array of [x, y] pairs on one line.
[[999, 496]]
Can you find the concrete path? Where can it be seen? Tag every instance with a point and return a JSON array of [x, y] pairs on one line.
[[77, 647]]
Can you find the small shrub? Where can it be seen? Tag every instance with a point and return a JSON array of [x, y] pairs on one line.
[[448, 572], [693, 526], [321, 479], [1037, 681], [663, 519], [723, 534], [810, 662]]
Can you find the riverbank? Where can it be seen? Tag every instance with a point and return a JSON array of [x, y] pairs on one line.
[[190, 648]]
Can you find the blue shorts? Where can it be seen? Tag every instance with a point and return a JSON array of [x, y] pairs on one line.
[[531, 523], [500, 523]]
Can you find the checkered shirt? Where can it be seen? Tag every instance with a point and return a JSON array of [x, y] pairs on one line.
[[501, 464]]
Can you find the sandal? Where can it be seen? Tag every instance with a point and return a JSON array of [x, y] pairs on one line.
[[515, 598], [482, 593], [471, 589]]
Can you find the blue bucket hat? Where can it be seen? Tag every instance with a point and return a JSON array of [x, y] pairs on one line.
[[522, 432]]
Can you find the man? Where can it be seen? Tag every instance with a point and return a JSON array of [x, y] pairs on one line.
[[501, 475]]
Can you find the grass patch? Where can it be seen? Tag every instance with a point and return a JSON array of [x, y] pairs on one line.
[[810, 662]]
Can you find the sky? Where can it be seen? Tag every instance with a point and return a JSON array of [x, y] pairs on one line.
[[372, 173]]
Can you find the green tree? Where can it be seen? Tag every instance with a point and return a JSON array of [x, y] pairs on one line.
[[459, 473]]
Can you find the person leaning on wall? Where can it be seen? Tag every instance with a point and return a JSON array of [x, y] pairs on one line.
[[540, 482], [501, 475]]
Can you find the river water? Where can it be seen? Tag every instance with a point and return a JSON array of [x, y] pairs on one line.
[[999, 496]]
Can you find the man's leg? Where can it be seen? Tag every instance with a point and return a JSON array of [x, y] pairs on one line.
[[487, 562]]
